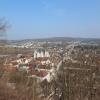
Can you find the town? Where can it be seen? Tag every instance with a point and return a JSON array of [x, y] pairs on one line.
[[49, 49], [45, 62]]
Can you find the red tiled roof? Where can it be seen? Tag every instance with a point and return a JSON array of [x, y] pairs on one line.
[[42, 73]]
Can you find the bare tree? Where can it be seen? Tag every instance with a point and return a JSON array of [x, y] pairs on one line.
[[3, 25], [3, 28]]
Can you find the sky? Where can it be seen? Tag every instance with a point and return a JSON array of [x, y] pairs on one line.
[[30, 19]]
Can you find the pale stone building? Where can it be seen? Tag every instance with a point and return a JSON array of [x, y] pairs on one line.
[[41, 53]]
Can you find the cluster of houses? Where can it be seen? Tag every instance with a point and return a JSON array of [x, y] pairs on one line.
[[42, 63], [36, 64]]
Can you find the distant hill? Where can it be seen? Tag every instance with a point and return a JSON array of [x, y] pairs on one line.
[[55, 39], [3, 42]]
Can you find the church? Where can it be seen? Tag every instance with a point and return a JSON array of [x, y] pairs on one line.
[[41, 53]]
